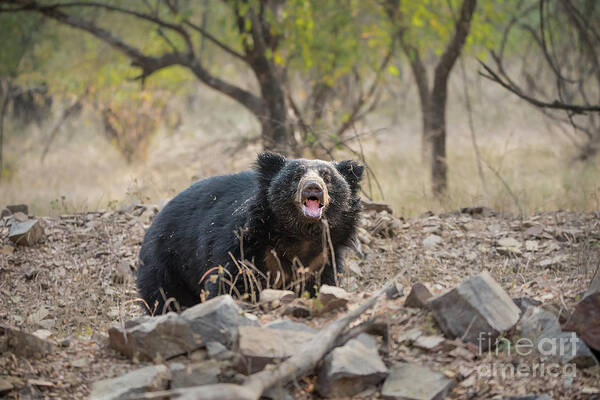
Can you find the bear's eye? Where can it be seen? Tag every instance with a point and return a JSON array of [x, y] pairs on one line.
[[326, 176]]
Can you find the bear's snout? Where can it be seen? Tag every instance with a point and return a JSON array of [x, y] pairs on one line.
[[312, 195], [312, 191]]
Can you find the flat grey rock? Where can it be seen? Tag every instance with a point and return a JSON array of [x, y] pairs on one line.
[[23, 344], [418, 296], [333, 297], [414, 382], [217, 320], [166, 336], [432, 240], [349, 369], [478, 308], [258, 346], [288, 324], [271, 298], [542, 328], [26, 233], [148, 379], [203, 373], [217, 351]]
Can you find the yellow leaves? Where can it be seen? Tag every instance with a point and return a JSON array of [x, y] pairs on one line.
[[417, 21], [392, 70], [278, 59]]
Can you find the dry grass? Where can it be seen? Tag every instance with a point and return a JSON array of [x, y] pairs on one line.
[[526, 168]]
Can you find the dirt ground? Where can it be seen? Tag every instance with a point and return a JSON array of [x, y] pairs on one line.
[[80, 280]]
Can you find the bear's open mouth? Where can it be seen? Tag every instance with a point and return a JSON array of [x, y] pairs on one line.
[[312, 207]]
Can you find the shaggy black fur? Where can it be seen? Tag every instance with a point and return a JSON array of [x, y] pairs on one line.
[[196, 231]]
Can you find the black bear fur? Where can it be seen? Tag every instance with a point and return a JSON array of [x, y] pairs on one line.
[[201, 227]]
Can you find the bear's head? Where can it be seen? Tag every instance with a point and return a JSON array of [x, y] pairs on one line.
[[301, 193]]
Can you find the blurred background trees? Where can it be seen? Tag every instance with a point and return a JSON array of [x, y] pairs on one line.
[[313, 74]]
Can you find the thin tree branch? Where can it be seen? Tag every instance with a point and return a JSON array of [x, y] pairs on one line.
[[216, 41], [150, 18], [512, 87]]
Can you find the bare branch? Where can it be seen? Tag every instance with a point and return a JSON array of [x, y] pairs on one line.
[[512, 87], [150, 18], [216, 41]]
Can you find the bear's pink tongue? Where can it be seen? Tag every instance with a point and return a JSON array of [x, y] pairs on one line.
[[312, 209]]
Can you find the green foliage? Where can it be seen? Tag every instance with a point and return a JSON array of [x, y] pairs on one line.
[[19, 32], [429, 24], [329, 38]]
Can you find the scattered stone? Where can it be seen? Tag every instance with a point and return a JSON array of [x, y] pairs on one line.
[[40, 383], [534, 231], [529, 397], [217, 351], [20, 217], [428, 342], [395, 291], [35, 317], [333, 298], [5, 213], [80, 362], [26, 233], [271, 298], [30, 273], [23, 344], [531, 245], [525, 302], [479, 211], [478, 306], [542, 328], [349, 369], [43, 334], [411, 335], [197, 374], [166, 336], [585, 320], [148, 379], [432, 240], [377, 207], [66, 342], [217, 320], [288, 324], [47, 324], [553, 261], [297, 309], [261, 346], [508, 246], [15, 208], [7, 250], [411, 381], [5, 385], [418, 296]]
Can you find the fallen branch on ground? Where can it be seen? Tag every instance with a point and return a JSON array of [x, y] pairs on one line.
[[295, 367]]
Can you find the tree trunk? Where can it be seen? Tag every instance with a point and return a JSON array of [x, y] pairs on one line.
[[277, 132], [5, 95], [436, 140]]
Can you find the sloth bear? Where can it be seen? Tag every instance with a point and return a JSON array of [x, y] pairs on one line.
[[284, 222]]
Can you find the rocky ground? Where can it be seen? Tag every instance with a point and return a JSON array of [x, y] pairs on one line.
[[77, 281]]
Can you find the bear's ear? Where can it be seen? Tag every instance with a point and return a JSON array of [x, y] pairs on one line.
[[351, 171], [268, 164]]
